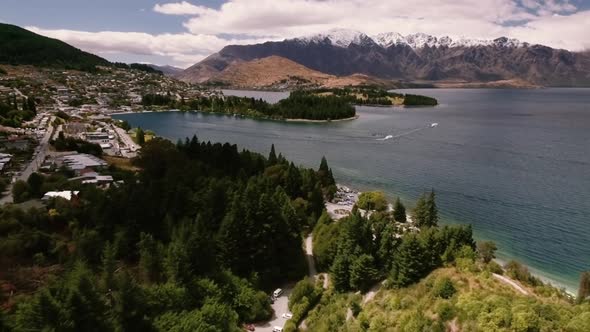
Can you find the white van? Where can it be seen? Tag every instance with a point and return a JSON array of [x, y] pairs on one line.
[[277, 293], [277, 329]]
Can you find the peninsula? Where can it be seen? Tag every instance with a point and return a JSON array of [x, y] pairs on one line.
[[318, 105]]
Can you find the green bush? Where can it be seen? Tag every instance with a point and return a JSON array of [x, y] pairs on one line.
[[445, 310], [494, 267], [444, 288], [372, 200], [289, 326]]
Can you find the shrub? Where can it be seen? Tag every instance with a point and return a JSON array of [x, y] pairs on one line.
[[372, 200], [445, 310], [494, 267], [289, 326], [444, 288], [517, 271], [356, 308]]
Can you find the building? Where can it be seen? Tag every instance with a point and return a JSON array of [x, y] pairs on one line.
[[80, 162], [4, 160], [67, 194], [93, 178]]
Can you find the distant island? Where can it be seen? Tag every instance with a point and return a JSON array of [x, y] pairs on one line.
[[304, 105]]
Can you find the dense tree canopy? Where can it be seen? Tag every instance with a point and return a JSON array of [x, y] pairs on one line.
[[191, 241]]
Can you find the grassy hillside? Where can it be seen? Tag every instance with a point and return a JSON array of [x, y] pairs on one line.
[[465, 297], [22, 47]]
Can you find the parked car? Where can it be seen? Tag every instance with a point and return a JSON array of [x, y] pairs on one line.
[[287, 315], [277, 292], [277, 329]]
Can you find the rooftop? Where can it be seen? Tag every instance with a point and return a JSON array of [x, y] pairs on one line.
[[81, 161], [68, 194]]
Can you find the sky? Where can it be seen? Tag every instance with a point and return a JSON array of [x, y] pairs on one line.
[[184, 32]]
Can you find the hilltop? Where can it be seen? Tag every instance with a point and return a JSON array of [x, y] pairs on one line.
[[456, 298], [276, 72], [19, 46]]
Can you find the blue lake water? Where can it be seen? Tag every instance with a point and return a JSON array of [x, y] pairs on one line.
[[513, 163]]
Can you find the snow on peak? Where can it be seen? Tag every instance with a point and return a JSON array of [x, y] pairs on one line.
[[345, 37], [339, 37], [421, 40], [389, 38]]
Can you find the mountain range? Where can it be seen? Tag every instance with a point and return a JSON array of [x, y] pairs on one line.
[[412, 58], [167, 70]]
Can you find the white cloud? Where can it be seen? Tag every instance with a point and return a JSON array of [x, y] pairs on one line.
[[556, 23], [183, 49], [485, 19], [181, 8], [559, 31]]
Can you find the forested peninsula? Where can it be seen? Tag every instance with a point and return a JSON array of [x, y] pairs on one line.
[[316, 105]]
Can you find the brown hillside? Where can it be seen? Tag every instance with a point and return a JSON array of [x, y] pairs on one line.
[[281, 73]]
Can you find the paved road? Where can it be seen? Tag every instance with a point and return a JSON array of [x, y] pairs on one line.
[[280, 307], [34, 165]]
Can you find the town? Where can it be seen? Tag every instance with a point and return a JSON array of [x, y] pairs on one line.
[[59, 122]]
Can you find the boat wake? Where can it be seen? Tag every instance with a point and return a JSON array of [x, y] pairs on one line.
[[388, 137]]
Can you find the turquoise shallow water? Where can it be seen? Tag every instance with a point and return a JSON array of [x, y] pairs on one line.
[[514, 163]]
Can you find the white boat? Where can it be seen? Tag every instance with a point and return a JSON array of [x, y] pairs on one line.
[[434, 125], [385, 138]]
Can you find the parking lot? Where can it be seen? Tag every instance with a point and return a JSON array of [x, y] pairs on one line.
[[280, 307]]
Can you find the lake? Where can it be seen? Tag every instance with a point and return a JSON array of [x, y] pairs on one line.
[[513, 163]]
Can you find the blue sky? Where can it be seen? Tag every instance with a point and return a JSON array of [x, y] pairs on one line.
[[94, 15], [183, 32]]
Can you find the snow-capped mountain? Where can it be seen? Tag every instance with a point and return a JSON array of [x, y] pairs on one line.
[[344, 38], [414, 57], [338, 37]]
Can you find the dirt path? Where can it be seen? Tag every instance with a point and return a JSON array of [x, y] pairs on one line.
[[512, 283], [372, 292]]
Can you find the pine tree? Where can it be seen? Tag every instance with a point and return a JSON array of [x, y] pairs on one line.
[[272, 156], [339, 273], [325, 173], [35, 181], [363, 273], [420, 212], [149, 258], [409, 264], [140, 136], [399, 211], [293, 181], [431, 210], [584, 290], [109, 265]]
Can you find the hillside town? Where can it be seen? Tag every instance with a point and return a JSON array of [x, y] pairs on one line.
[[59, 122]]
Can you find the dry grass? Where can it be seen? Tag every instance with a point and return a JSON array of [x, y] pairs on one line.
[[122, 163]]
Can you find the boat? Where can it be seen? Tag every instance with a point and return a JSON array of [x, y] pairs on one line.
[[434, 125], [385, 138]]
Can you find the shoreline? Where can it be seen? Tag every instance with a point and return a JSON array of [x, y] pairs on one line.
[[335, 211], [320, 121], [242, 116], [545, 277], [140, 112]]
